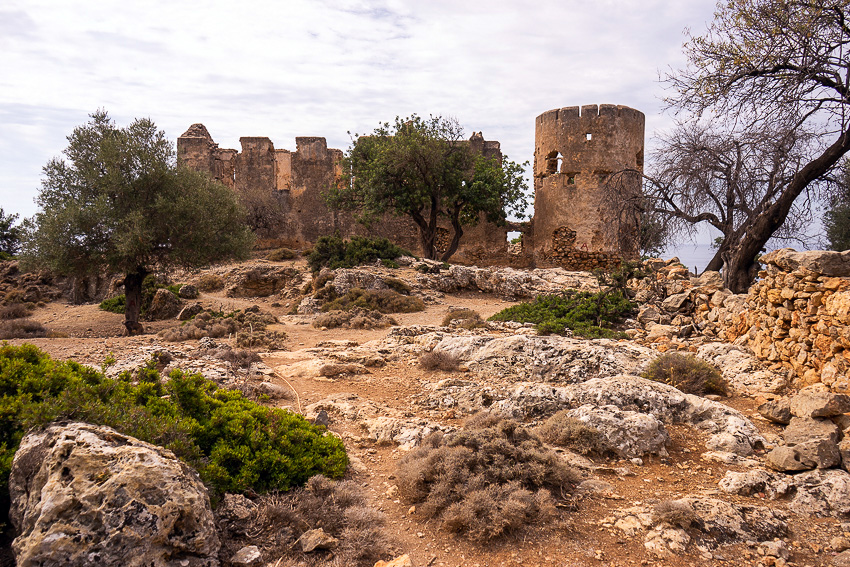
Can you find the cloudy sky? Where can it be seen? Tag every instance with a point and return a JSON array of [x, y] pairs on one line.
[[290, 68]]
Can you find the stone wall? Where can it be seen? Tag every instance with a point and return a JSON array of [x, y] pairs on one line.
[[296, 181], [798, 315], [576, 151]]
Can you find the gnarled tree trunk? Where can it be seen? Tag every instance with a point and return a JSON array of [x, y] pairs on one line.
[[133, 300]]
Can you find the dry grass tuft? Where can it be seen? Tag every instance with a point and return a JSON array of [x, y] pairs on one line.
[[491, 478], [463, 318], [22, 329], [438, 360], [687, 373], [383, 300], [566, 431], [210, 282], [354, 319], [14, 311], [676, 513]]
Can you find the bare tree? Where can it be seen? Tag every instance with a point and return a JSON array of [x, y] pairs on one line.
[[775, 74]]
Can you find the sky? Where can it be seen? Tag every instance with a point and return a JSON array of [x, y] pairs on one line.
[[288, 68]]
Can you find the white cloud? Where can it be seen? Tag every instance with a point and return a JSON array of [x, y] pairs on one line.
[[309, 68]]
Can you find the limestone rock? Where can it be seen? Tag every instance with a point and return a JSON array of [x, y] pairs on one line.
[[164, 305], [401, 561], [803, 429], [84, 494], [261, 280], [824, 262], [188, 291], [312, 540], [777, 411], [789, 459], [815, 493], [842, 559], [675, 302], [189, 311], [844, 452], [819, 404], [235, 514], [627, 434], [648, 314], [248, 556]]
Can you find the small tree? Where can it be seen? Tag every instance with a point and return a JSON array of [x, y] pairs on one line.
[[10, 235], [120, 202], [425, 170], [836, 219]]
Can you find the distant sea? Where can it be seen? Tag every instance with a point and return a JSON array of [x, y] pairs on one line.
[[695, 257]]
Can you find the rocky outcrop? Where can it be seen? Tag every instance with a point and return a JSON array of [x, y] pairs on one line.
[[624, 433], [164, 305], [88, 495], [507, 282], [261, 280], [816, 493]]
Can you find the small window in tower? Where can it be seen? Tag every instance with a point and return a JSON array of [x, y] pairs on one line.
[[552, 162], [589, 136], [571, 179]]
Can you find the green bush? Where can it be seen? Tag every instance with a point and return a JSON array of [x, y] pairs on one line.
[[687, 373], [586, 314], [383, 300], [235, 444], [488, 479], [114, 304], [334, 252]]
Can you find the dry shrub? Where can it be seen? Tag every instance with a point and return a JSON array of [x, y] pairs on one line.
[[486, 480], [339, 508], [354, 319], [464, 318], [439, 360], [22, 329], [383, 300], [210, 282], [687, 373], [249, 327], [566, 431], [398, 285], [282, 254], [14, 311], [13, 296], [239, 357], [676, 513]]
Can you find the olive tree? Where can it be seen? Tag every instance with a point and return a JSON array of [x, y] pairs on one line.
[[119, 201], [766, 94], [424, 169], [10, 235]]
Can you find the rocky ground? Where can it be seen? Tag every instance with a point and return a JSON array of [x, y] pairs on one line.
[[718, 456]]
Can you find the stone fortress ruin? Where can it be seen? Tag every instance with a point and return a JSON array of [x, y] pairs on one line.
[[576, 150]]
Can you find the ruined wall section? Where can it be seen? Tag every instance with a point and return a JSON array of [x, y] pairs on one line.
[[576, 150]]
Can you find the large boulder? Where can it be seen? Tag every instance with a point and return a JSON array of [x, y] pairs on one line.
[[164, 305], [823, 262], [88, 495], [627, 434], [261, 280]]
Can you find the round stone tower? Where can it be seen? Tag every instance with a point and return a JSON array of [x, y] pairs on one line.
[[577, 223]]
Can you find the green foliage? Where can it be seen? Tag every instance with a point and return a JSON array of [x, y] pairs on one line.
[[235, 444], [486, 480], [416, 164], [149, 287], [114, 304], [121, 202], [10, 235], [334, 252], [382, 300], [398, 286], [836, 219], [687, 373], [587, 314]]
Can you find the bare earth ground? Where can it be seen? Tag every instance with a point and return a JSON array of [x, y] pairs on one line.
[[575, 539]]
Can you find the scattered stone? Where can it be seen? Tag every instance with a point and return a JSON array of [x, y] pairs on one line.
[[312, 540], [248, 556], [190, 311], [819, 404], [402, 561], [188, 291], [164, 305], [624, 433], [777, 411]]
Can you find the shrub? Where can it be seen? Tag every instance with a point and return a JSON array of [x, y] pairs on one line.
[[114, 304], [398, 286], [383, 300], [334, 252], [439, 360], [687, 373], [150, 285], [249, 327], [676, 513], [561, 429], [235, 444], [354, 319], [239, 357], [465, 318], [22, 329], [340, 508], [210, 282], [587, 314], [14, 311], [282, 254], [488, 479]]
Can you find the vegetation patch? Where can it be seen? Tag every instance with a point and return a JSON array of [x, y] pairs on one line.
[[335, 252], [210, 282], [382, 300], [339, 508], [490, 478], [14, 311], [250, 327], [22, 329], [149, 287], [439, 360], [687, 373], [354, 319], [588, 315], [566, 431], [281, 254], [235, 444], [463, 318]]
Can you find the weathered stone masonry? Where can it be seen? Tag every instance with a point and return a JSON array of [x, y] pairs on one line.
[[577, 148]]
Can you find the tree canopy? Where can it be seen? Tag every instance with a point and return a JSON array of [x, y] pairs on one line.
[[836, 219], [120, 202], [10, 235], [425, 169], [764, 110]]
